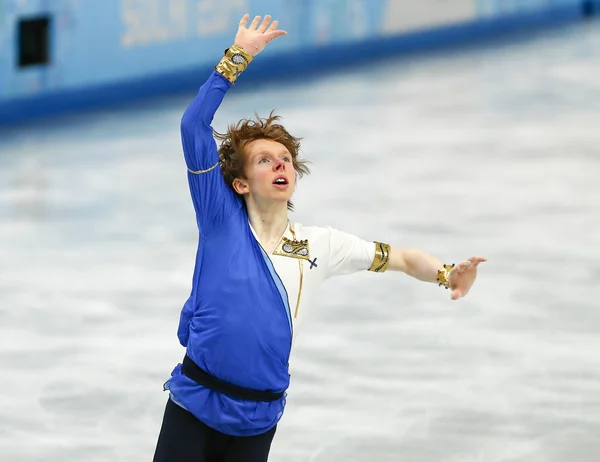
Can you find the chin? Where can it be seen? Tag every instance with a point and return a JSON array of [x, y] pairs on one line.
[[283, 198]]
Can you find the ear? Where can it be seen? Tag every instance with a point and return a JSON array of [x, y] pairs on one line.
[[240, 186]]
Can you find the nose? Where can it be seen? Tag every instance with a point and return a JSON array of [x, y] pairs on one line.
[[279, 165]]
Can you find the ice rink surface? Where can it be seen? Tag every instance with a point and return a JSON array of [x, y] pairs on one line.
[[492, 151]]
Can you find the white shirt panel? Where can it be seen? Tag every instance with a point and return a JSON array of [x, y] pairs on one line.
[[331, 253]]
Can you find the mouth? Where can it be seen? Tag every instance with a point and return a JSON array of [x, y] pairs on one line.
[[280, 181]]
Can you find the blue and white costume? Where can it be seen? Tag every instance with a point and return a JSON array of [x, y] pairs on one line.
[[244, 307]]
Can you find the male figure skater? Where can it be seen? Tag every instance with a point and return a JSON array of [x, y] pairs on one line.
[[255, 274]]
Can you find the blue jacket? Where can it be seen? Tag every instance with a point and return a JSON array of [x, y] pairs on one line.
[[236, 323]]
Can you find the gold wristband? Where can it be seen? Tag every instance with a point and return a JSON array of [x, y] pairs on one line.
[[382, 258], [233, 63], [442, 275]]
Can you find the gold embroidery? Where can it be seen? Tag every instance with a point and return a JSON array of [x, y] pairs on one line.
[[292, 248], [382, 258], [198, 172]]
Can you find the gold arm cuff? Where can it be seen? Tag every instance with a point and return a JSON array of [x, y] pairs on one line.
[[233, 63], [382, 258], [198, 172], [442, 275]]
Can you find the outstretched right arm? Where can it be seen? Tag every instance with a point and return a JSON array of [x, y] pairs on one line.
[[212, 198]]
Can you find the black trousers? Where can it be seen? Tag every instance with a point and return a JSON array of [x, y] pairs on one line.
[[183, 438]]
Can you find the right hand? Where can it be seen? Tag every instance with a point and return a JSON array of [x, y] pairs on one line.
[[255, 38]]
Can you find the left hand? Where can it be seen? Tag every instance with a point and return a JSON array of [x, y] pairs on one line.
[[462, 277]]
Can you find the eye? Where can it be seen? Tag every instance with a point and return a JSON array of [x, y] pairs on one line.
[[263, 160], [287, 159]]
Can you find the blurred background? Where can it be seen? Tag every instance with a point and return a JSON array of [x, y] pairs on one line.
[[461, 127]]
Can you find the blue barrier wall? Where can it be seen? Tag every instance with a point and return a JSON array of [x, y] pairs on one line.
[[114, 50]]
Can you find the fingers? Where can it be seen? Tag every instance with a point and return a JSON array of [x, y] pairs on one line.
[[456, 294], [462, 267], [274, 34], [471, 263], [255, 23], [476, 260], [265, 24], [244, 21]]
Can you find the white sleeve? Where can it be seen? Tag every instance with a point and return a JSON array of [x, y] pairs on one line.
[[348, 253]]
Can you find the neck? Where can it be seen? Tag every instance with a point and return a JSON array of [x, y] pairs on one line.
[[268, 221]]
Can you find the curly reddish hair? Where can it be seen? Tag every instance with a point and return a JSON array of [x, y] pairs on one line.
[[232, 151]]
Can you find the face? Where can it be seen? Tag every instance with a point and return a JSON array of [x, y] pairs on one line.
[[270, 175]]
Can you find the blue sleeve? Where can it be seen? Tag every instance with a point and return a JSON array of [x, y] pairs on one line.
[[213, 200]]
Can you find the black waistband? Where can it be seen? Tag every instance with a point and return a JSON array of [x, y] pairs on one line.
[[198, 375]]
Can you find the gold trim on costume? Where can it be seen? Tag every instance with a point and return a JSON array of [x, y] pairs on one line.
[[233, 63], [294, 249], [198, 172], [301, 266], [443, 275], [382, 258]]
